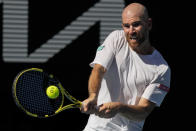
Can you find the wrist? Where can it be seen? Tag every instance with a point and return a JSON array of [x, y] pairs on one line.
[[93, 95], [121, 108]]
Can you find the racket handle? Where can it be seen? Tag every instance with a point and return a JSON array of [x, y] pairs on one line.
[[96, 107]]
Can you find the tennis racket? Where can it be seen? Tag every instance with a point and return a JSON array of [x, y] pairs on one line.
[[29, 93]]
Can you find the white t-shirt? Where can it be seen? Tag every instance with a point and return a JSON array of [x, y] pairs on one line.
[[129, 77]]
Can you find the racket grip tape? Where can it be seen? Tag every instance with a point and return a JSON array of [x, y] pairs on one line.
[[82, 106]]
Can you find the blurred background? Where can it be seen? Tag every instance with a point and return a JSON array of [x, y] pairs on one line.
[[62, 37]]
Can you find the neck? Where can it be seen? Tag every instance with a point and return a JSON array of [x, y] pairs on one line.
[[144, 49]]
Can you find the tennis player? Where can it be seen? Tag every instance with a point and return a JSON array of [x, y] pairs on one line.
[[129, 77]]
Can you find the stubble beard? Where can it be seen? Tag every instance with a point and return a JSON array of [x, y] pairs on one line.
[[139, 43]]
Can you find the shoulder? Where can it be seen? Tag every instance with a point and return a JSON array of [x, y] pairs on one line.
[[163, 72], [116, 34], [162, 65], [116, 38]]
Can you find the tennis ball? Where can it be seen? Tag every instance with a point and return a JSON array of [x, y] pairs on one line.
[[52, 92]]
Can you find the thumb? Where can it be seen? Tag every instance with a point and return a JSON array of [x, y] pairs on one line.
[[84, 107]]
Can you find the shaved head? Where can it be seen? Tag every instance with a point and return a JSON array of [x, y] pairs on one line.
[[136, 25], [135, 10]]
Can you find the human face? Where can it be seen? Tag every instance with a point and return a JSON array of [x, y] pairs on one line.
[[136, 30]]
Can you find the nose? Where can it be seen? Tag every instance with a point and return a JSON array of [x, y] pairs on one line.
[[131, 30]]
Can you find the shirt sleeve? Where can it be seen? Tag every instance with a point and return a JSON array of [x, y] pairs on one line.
[[158, 88], [106, 52]]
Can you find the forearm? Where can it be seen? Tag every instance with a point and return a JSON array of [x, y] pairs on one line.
[[89, 105], [137, 112], [133, 112], [95, 79], [94, 84]]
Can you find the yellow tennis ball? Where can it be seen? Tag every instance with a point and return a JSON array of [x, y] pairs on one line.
[[52, 92]]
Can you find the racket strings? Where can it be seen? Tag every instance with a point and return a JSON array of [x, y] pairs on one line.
[[33, 99]]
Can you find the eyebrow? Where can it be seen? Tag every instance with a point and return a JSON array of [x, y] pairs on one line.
[[135, 22]]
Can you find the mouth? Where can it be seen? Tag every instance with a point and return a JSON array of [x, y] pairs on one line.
[[133, 36]]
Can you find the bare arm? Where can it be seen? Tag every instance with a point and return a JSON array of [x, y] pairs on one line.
[[95, 80], [107, 110], [133, 112], [93, 89], [137, 112]]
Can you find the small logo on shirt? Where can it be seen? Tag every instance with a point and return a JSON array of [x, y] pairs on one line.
[[100, 48], [164, 88]]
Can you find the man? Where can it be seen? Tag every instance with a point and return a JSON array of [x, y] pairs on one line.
[[129, 77]]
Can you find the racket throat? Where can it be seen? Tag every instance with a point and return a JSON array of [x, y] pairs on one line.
[[76, 105]]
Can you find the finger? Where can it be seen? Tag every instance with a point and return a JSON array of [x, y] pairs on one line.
[[101, 113], [107, 111], [90, 109], [104, 112], [84, 107], [101, 107]]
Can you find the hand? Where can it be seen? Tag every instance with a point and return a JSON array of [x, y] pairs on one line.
[[108, 110], [89, 105]]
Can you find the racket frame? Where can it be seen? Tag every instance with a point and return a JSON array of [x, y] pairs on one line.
[[14, 91], [75, 103]]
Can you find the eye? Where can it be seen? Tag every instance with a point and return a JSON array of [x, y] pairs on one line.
[[136, 24], [126, 25]]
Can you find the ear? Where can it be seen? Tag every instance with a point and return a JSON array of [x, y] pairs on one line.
[[149, 22], [122, 25]]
